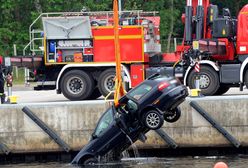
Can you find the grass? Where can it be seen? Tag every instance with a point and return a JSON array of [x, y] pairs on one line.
[[18, 76]]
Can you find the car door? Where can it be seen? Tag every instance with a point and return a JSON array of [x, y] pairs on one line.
[[107, 134]]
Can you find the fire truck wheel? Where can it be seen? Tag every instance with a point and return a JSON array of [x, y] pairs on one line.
[[222, 90], [106, 82], [77, 85], [95, 94], [246, 79], [209, 80]]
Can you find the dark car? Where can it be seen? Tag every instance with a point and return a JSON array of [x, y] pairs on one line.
[[143, 108]]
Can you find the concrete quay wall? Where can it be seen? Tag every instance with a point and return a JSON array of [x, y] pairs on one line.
[[75, 121]]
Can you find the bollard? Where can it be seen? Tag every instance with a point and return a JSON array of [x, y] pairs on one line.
[[197, 82], [9, 80], [196, 92]]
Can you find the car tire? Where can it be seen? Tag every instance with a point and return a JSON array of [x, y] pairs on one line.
[[90, 161], [172, 115], [210, 80], [77, 85], [106, 82], [222, 90], [153, 120]]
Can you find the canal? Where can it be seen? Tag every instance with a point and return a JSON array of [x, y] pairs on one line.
[[235, 161]]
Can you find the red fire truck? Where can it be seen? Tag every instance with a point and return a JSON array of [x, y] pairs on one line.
[[78, 51], [78, 55], [218, 42]]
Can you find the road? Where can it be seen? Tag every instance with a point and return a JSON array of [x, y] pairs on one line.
[[28, 95]]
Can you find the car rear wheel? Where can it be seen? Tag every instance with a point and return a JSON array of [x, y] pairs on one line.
[[153, 120], [172, 115]]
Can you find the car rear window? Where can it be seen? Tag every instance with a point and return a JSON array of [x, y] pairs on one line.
[[140, 91]]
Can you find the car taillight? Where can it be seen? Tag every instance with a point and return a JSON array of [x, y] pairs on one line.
[[163, 85]]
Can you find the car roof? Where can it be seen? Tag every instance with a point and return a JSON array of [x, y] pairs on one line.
[[153, 81]]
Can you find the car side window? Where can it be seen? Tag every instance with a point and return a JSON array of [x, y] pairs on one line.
[[132, 106], [140, 91], [104, 122]]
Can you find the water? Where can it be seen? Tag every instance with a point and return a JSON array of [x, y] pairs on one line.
[[240, 161], [134, 147]]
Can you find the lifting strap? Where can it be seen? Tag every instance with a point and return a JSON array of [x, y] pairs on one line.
[[119, 89]]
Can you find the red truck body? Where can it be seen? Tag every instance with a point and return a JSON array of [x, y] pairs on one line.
[[217, 42]]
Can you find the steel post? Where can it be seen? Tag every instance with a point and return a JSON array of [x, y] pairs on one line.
[[199, 20], [166, 138], [188, 22], [189, 2], [46, 129], [215, 124]]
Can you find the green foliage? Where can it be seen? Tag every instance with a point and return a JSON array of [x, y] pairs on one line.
[[17, 15]]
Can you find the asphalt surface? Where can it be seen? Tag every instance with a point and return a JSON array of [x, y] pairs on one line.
[[28, 95]]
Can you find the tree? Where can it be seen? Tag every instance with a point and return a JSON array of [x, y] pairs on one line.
[[17, 15]]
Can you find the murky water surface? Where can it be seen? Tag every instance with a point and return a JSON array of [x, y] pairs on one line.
[[240, 161]]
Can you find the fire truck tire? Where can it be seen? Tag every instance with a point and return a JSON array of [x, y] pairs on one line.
[[222, 90], [95, 94], [77, 85], [209, 80], [246, 79], [106, 82]]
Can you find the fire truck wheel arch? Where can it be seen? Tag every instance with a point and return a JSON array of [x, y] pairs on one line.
[[77, 85], [202, 62], [209, 80], [243, 72], [246, 78], [69, 67]]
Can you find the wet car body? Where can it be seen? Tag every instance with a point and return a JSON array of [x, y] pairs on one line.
[[142, 109], [165, 94], [115, 137]]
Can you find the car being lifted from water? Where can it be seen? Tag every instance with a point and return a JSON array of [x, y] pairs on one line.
[[143, 108]]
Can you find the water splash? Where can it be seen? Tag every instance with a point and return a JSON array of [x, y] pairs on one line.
[[134, 147], [125, 154]]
